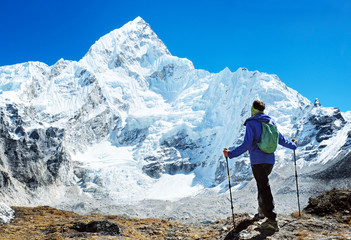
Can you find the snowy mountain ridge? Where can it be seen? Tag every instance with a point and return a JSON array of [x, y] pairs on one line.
[[130, 122]]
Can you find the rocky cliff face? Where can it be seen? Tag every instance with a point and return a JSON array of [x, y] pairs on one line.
[[131, 113], [31, 156]]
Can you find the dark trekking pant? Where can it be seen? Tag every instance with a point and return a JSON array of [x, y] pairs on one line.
[[264, 196]]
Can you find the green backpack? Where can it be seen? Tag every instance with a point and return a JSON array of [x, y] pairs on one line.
[[269, 138]]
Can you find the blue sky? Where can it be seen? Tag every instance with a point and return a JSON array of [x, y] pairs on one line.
[[306, 43]]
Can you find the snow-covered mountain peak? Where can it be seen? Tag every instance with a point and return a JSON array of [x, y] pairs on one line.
[[133, 45], [317, 103], [137, 22]]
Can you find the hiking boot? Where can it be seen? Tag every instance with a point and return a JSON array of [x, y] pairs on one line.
[[258, 216], [269, 225]]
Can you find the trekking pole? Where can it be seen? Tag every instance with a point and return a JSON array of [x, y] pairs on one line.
[[230, 190], [297, 185]]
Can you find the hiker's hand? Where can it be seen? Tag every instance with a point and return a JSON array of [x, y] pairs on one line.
[[294, 141], [225, 152]]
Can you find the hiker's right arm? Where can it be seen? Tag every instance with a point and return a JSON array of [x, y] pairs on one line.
[[248, 139]]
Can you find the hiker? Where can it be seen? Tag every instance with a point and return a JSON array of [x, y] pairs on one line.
[[261, 162]]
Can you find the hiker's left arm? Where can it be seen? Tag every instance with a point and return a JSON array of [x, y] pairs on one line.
[[286, 143]]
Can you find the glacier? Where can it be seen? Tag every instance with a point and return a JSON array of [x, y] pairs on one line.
[[131, 129]]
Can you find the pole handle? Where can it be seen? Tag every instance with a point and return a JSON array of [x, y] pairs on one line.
[[225, 149]]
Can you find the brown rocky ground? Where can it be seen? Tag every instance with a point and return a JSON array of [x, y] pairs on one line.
[[327, 217], [49, 223]]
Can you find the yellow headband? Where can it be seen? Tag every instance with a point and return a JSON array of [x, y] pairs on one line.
[[255, 111]]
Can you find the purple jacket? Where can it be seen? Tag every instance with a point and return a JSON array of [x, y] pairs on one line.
[[252, 136]]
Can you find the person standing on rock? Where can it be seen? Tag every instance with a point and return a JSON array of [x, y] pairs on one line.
[[261, 162]]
